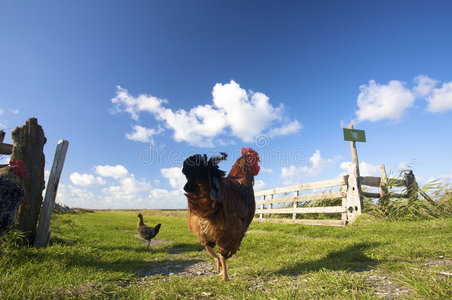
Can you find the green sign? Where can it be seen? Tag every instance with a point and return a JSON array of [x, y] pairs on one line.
[[354, 135]]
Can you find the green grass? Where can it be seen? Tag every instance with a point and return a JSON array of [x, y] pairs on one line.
[[98, 256]]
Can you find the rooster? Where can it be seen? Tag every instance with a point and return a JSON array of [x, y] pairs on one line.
[[11, 192], [220, 208]]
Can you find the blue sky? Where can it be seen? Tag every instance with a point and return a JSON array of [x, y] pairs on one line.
[[137, 86]]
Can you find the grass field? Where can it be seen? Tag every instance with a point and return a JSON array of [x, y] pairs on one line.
[[98, 255]]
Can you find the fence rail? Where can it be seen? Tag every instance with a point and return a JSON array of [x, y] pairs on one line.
[[302, 187], [6, 149], [350, 192], [268, 200]]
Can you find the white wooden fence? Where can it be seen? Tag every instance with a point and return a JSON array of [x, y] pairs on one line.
[[350, 191], [267, 201]]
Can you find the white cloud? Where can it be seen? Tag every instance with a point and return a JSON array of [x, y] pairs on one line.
[[168, 199], [116, 172], [176, 179], [377, 102], [259, 185], [124, 102], [124, 192], [286, 129], [424, 85], [365, 168], [129, 188], [143, 134], [46, 175], [86, 179], [318, 162], [246, 114], [76, 197], [197, 127], [440, 99], [266, 170], [294, 175]]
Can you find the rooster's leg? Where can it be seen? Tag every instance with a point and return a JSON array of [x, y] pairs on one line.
[[224, 267], [215, 257]]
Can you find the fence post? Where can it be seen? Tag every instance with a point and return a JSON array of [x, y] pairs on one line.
[[42, 234], [384, 196], [354, 198], [294, 216], [28, 142], [411, 187], [261, 216], [344, 187], [270, 206], [355, 164]]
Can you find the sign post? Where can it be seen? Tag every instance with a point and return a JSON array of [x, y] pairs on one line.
[[354, 199]]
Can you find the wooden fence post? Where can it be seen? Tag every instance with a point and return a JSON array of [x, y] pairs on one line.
[[355, 164], [42, 234], [354, 199], [28, 142], [384, 197], [261, 216], [270, 206], [294, 216], [344, 187], [411, 187]]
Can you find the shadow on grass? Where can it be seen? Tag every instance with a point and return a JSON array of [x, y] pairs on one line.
[[157, 246], [351, 258], [99, 261], [98, 257]]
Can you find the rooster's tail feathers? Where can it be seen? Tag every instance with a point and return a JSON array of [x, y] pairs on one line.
[[197, 167], [215, 160]]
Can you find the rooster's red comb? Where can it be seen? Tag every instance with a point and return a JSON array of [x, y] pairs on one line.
[[247, 150]]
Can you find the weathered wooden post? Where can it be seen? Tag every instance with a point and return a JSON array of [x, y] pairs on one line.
[[261, 216], [411, 187], [28, 142], [344, 187], [42, 234], [354, 198], [384, 196], [295, 205], [270, 206]]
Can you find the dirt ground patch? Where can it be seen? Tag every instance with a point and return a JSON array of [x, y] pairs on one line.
[[154, 242], [191, 269]]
